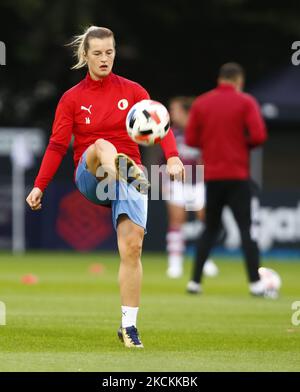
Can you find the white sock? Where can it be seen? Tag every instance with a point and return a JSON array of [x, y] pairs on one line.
[[129, 315], [175, 261], [175, 248]]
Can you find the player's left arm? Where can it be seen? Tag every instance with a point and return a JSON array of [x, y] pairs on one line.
[[175, 167]]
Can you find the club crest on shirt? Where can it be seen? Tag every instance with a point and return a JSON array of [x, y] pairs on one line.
[[123, 104]]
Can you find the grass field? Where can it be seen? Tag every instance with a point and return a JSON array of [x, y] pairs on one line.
[[68, 320]]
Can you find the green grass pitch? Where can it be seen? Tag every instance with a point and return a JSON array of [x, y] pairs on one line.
[[69, 319]]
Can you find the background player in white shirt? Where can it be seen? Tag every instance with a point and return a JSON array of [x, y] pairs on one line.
[[181, 198]]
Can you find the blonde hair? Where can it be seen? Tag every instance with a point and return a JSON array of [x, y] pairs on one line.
[[80, 43]]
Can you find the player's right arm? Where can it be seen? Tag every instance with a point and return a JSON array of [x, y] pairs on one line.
[[56, 149]]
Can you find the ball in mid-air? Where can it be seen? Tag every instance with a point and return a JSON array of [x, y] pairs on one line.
[[148, 122]]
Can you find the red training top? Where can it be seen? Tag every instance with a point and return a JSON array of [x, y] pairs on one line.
[[92, 110], [225, 124]]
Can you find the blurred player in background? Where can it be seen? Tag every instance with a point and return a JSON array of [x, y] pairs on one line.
[[226, 124], [181, 196], [94, 111]]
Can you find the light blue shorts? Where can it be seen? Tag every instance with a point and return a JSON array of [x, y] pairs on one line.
[[122, 198]]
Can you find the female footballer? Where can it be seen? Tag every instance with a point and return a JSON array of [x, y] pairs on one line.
[[94, 112]]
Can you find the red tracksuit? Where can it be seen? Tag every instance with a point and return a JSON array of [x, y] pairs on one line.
[[92, 110], [225, 124]]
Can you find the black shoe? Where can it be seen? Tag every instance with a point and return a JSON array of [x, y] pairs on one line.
[[193, 287]]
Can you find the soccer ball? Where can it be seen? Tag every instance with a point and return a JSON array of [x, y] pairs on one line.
[[148, 122], [210, 269], [271, 280]]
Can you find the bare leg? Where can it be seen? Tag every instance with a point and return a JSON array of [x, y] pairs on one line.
[[101, 153], [176, 215], [130, 240], [130, 236]]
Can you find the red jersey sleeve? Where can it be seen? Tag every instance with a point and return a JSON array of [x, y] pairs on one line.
[[58, 143], [256, 128], [168, 145]]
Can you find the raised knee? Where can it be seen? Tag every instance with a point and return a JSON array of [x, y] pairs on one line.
[[105, 147], [100, 144]]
